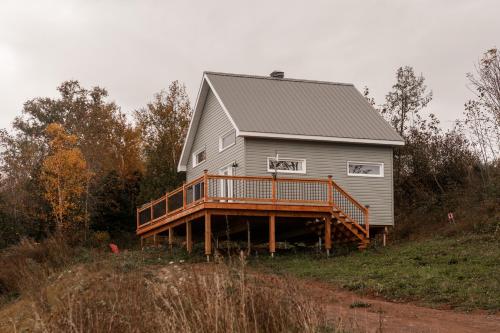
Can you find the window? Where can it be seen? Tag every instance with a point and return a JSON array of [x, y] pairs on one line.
[[286, 165], [365, 169], [227, 140], [199, 157]]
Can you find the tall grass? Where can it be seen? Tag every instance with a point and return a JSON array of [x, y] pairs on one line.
[[218, 299], [27, 266], [105, 295]]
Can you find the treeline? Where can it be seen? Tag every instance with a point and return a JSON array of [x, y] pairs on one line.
[[75, 163], [438, 172]]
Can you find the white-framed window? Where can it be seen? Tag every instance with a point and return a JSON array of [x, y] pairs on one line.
[[286, 165], [199, 157], [365, 169], [227, 140]]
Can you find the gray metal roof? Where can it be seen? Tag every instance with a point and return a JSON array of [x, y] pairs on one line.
[[299, 107]]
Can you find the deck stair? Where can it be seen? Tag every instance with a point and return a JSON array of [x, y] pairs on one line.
[[344, 229]]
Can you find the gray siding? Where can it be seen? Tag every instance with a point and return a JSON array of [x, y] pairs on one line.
[[214, 123], [325, 159]]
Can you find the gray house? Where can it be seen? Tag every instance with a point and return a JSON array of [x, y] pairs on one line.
[[312, 155], [242, 122]]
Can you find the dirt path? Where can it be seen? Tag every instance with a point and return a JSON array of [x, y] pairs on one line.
[[395, 317]]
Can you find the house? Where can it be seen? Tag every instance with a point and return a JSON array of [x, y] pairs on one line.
[[284, 159]]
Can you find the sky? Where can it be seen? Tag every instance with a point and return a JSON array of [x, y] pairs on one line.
[[136, 48]]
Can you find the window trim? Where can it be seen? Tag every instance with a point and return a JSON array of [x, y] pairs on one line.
[[381, 175], [304, 163], [193, 157], [221, 149]]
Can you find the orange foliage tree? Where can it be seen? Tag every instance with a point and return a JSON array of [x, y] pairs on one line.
[[64, 177]]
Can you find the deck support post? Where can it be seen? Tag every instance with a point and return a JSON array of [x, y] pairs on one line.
[[384, 237], [170, 238], [330, 190], [272, 234], [208, 234], [142, 242], [189, 237], [249, 244], [154, 241], [328, 235]]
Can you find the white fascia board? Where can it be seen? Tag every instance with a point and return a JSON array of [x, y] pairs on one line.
[[320, 138]]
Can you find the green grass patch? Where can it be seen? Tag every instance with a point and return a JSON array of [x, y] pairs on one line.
[[461, 272]]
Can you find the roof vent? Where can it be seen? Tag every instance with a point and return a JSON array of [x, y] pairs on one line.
[[277, 74]]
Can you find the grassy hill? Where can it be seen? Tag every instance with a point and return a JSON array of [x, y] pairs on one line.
[[54, 287], [462, 272]]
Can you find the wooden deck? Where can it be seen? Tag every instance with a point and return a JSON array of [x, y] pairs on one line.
[[333, 214]]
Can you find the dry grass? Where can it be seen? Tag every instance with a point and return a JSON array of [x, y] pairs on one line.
[[105, 295], [27, 266]]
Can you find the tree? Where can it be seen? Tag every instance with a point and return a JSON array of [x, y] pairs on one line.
[[64, 177], [107, 141], [482, 114], [408, 97], [163, 124]]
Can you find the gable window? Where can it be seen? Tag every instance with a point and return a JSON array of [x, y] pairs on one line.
[[365, 169], [227, 140], [286, 165], [199, 157]]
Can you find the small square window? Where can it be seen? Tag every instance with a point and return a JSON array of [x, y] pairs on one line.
[[227, 140], [199, 157], [365, 169]]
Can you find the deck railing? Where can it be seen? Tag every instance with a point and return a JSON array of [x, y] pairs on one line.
[[248, 189]]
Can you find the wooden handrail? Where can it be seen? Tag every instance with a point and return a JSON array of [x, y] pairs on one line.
[[272, 197], [348, 196]]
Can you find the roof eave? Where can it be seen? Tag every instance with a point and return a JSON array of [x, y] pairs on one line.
[[383, 142]]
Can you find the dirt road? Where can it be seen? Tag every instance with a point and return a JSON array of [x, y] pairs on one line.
[[384, 316]]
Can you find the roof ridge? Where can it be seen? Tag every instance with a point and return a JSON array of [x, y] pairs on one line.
[[277, 79]]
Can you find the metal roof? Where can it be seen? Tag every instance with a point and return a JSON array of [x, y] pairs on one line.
[[261, 104]]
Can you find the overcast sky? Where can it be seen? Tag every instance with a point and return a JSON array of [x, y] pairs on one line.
[[136, 48]]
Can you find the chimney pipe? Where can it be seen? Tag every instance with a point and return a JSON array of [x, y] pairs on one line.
[[277, 74]]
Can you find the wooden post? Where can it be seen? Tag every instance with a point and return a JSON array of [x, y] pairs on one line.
[[151, 209], [184, 196], [154, 240], [367, 221], [330, 190], [205, 185], [384, 237], [142, 242], [249, 245], [166, 204], [208, 234], [170, 238], [189, 239], [328, 235], [274, 189], [272, 234], [137, 217]]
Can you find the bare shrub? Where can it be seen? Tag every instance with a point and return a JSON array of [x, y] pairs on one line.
[[25, 267], [215, 298]]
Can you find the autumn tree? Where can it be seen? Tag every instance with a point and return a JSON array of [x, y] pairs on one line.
[[64, 177], [110, 144], [163, 124]]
